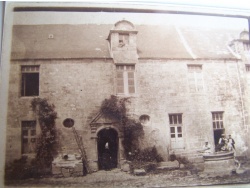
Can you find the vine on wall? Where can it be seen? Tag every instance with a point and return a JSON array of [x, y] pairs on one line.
[[47, 143], [115, 108]]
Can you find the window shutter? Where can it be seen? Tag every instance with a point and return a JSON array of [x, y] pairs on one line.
[[120, 82], [131, 82]]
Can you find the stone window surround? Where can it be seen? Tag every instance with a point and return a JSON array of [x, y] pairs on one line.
[[176, 131], [248, 68], [195, 73], [29, 133], [246, 46], [217, 118], [28, 69], [122, 68], [123, 38]]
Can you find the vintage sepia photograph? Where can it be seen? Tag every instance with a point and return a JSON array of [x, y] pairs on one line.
[[125, 95]]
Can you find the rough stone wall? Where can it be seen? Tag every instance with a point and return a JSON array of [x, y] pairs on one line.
[[163, 89], [77, 88], [247, 106], [245, 87]]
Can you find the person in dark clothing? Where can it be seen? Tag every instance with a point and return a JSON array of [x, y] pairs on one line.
[[106, 158], [222, 142]]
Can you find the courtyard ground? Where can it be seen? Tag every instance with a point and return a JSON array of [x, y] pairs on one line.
[[117, 178]]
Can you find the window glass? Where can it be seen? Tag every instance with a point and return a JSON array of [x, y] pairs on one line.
[[30, 81], [172, 129], [217, 120], [176, 134], [195, 78], [125, 79], [28, 137]]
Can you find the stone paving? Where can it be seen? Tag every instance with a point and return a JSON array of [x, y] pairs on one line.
[[117, 178]]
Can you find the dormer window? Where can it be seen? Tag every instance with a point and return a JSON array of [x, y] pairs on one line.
[[248, 68], [246, 46], [244, 35], [123, 39]]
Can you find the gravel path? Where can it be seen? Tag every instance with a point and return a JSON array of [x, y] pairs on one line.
[[116, 178]]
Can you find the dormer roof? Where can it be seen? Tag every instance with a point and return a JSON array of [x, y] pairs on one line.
[[124, 25], [244, 35]]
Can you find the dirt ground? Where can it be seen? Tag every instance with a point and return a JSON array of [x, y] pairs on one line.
[[117, 178]]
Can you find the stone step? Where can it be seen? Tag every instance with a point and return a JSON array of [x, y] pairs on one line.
[[139, 172], [168, 165]]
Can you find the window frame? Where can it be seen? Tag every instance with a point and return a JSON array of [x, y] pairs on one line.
[[194, 72], [124, 70], [31, 127], [25, 71], [123, 38], [176, 130], [247, 68], [246, 46], [218, 120]]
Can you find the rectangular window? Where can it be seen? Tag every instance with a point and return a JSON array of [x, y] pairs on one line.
[[248, 68], [30, 81], [28, 137], [176, 131], [217, 120], [246, 47], [125, 75], [123, 38], [195, 78]]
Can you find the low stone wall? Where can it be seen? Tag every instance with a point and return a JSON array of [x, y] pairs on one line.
[[67, 167], [219, 164]]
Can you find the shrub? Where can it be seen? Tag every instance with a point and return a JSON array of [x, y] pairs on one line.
[[19, 169], [181, 160], [47, 143], [147, 159], [148, 155], [115, 108]]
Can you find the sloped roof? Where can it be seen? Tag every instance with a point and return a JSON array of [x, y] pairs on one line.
[[160, 42], [69, 41], [209, 42], [90, 41]]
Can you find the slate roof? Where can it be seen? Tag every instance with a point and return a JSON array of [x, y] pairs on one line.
[[70, 41], [90, 41], [160, 42], [210, 43]]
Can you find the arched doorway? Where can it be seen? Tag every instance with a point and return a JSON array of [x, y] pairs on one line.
[[107, 146]]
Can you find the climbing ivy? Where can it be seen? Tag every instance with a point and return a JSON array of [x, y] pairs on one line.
[[47, 143], [115, 108]]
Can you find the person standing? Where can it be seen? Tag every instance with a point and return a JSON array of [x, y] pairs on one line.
[[221, 143], [106, 158], [231, 141]]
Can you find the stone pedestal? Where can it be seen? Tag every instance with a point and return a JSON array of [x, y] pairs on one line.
[[219, 163], [67, 167], [219, 167]]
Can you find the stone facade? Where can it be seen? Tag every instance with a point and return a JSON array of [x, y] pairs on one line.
[[163, 87]]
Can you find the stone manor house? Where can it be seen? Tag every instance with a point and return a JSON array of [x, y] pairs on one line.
[[192, 82]]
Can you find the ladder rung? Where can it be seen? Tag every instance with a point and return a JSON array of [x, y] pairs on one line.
[[81, 148]]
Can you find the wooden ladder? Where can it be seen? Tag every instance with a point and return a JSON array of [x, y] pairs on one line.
[[82, 150]]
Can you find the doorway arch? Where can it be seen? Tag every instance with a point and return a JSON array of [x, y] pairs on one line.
[[107, 147]]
